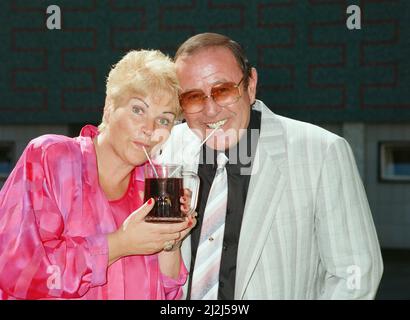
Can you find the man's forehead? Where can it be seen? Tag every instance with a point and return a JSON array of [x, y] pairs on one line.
[[205, 53], [207, 62]]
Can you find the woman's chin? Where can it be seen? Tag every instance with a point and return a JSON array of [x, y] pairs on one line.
[[137, 158]]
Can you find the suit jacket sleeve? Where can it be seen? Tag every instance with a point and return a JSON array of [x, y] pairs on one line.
[[346, 234]]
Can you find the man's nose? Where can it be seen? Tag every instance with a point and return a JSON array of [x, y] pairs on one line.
[[211, 108]]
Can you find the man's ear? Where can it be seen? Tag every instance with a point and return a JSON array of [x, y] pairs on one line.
[[253, 80], [108, 108]]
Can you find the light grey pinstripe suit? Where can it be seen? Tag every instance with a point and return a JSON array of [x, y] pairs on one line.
[[307, 230]]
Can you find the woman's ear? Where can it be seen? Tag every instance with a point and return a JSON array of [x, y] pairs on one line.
[[108, 108]]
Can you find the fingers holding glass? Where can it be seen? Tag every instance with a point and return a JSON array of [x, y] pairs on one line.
[[185, 201]]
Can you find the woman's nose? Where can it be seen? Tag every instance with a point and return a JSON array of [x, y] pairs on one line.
[[148, 128]]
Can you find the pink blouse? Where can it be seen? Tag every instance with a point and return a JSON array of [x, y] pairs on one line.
[[54, 218]]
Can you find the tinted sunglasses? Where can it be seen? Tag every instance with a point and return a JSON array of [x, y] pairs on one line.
[[224, 94]]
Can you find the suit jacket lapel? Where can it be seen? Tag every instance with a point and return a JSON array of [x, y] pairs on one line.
[[265, 191]]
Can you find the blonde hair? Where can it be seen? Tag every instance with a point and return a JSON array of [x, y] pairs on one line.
[[145, 73]]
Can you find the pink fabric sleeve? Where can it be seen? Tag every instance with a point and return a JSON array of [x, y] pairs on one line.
[[38, 258], [173, 287]]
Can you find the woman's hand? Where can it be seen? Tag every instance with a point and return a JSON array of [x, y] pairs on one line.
[[190, 217], [169, 260], [186, 201], [136, 236]]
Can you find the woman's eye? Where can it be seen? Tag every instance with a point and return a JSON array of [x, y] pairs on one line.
[[138, 110], [164, 122]]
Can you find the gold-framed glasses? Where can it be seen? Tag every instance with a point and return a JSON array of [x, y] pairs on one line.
[[224, 94]]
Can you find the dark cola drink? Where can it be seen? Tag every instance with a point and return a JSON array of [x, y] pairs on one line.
[[166, 193]]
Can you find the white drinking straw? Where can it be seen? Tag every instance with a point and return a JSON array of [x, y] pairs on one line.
[[199, 148], [150, 162], [206, 139], [173, 172]]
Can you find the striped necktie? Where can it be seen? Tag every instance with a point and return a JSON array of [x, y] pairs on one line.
[[205, 278]]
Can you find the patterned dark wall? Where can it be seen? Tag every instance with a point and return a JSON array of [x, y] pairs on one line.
[[310, 65]]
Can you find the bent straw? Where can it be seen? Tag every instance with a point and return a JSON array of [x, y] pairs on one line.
[[150, 162]]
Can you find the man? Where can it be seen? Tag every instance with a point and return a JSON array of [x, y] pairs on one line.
[[296, 221]]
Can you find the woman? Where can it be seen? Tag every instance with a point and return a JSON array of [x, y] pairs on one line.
[[65, 225]]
